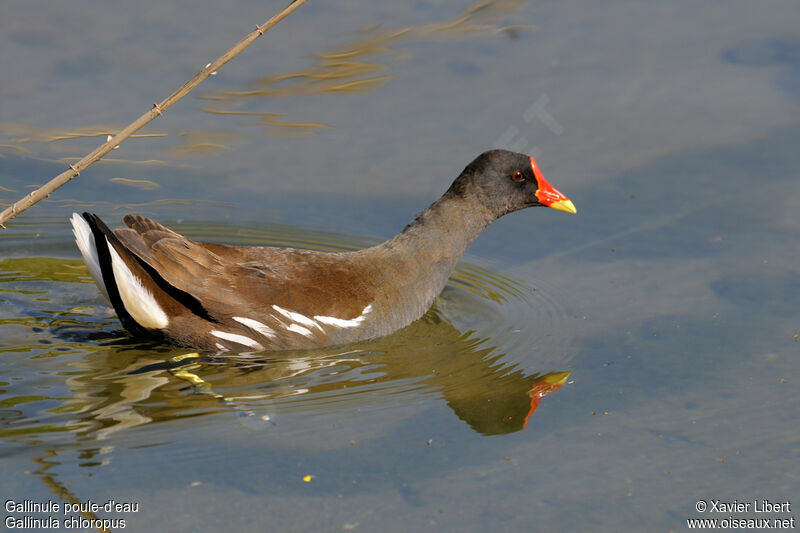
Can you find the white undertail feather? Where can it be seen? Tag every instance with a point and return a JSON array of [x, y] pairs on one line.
[[142, 306], [138, 301], [85, 241]]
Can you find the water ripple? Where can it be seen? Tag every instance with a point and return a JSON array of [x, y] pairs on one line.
[[73, 375]]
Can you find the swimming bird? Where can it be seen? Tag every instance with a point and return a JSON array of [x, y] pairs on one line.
[[218, 297]]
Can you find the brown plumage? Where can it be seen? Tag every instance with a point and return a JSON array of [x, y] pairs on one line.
[[220, 297]]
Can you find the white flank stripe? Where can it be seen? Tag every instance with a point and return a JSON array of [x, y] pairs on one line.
[[342, 323], [238, 339], [300, 329], [255, 325], [297, 317], [138, 301], [221, 348], [85, 241]]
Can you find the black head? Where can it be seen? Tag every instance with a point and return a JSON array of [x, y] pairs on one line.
[[507, 181]]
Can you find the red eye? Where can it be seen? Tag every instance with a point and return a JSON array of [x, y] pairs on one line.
[[518, 176]]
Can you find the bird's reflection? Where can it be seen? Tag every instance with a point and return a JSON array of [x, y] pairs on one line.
[[111, 386], [121, 389]]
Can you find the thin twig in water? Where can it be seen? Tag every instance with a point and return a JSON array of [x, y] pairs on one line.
[[157, 109]]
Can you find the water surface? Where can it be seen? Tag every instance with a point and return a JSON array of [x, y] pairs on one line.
[[670, 299]]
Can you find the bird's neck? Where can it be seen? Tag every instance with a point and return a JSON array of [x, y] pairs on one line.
[[417, 263], [443, 232]]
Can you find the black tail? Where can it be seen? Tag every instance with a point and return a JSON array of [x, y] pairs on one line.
[[99, 229], [102, 237]]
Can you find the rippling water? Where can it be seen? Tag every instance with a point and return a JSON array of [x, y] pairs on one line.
[[76, 387], [598, 372], [93, 380]]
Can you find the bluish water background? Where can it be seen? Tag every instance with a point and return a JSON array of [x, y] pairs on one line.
[[671, 298]]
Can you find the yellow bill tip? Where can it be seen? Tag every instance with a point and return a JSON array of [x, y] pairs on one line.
[[564, 205], [556, 378]]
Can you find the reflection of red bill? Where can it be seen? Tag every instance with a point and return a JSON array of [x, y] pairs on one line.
[[550, 196], [544, 386]]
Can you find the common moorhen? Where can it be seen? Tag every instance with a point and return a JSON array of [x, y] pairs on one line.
[[249, 298]]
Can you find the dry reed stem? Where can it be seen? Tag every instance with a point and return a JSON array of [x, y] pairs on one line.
[[157, 109]]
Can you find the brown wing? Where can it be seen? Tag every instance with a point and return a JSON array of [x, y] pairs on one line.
[[235, 280]]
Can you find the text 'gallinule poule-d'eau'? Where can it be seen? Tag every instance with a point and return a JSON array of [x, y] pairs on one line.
[[249, 298]]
